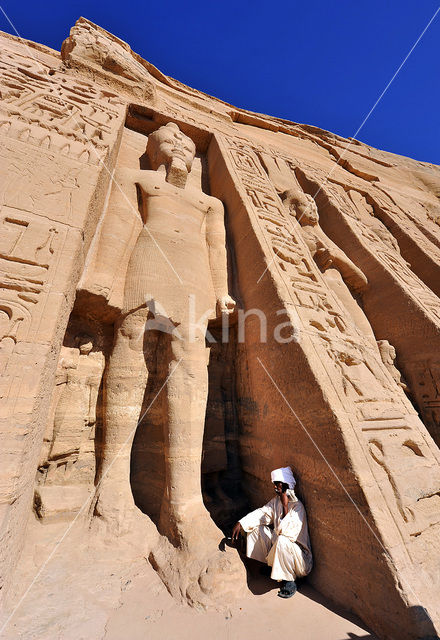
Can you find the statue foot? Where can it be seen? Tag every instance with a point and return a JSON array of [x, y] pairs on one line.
[[190, 561], [189, 526], [114, 512], [201, 576]]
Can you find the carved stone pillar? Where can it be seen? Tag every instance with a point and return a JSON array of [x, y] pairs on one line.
[[59, 137]]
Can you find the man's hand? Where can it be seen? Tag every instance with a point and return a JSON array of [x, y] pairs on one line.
[[284, 501], [226, 304], [236, 531]]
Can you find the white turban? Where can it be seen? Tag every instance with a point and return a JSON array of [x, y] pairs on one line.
[[284, 474]]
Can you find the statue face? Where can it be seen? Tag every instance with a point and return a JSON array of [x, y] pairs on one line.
[[84, 344], [168, 143], [307, 212], [85, 348]]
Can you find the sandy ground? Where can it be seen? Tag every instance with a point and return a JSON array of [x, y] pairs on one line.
[[147, 611], [91, 592]]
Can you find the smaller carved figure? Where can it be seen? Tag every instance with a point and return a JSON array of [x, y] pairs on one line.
[[79, 372], [366, 214], [342, 276], [9, 323], [388, 355]]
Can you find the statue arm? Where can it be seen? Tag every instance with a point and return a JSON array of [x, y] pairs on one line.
[[328, 254], [216, 242], [93, 400], [94, 384], [119, 221]]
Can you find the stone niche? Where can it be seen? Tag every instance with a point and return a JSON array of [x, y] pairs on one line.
[[319, 256], [94, 318]]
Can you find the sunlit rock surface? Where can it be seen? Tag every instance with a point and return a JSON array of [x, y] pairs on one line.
[[133, 207]]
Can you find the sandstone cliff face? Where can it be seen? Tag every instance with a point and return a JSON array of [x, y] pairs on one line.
[[320, 259]]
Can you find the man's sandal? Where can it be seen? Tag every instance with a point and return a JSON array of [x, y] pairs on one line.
[[287, 590]]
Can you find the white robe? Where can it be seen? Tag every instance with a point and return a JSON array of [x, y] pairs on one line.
[[286, 547]]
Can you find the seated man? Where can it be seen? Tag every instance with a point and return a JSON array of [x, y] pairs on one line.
[[286, 547]]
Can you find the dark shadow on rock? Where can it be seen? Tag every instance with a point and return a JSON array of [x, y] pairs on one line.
[[257, 574], [257, 582], [147, 468], [423, 623], [222, 488]]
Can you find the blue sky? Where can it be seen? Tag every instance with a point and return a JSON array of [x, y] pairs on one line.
[[323, 63]]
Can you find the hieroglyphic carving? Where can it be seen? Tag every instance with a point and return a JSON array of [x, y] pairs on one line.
[[425, 383], [341, 275], [33, 183], [58, 135], [411, 476], [288, 251], [178, 111], [415, 287], [367, 389], [43, 107], [359, 208], [411, 227], [372, 228], [363, 382], [12, 315], [411, 215], [27, 246]]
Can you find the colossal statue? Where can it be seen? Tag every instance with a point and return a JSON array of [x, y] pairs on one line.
[[179, 295]]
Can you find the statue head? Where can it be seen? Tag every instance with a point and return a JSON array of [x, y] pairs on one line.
[[302, 206], [387, 351], [167, 145], [84, 343], [307, 211]]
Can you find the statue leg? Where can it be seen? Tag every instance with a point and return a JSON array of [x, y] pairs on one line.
[[192, 567], [124, 387], [184, 518]]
